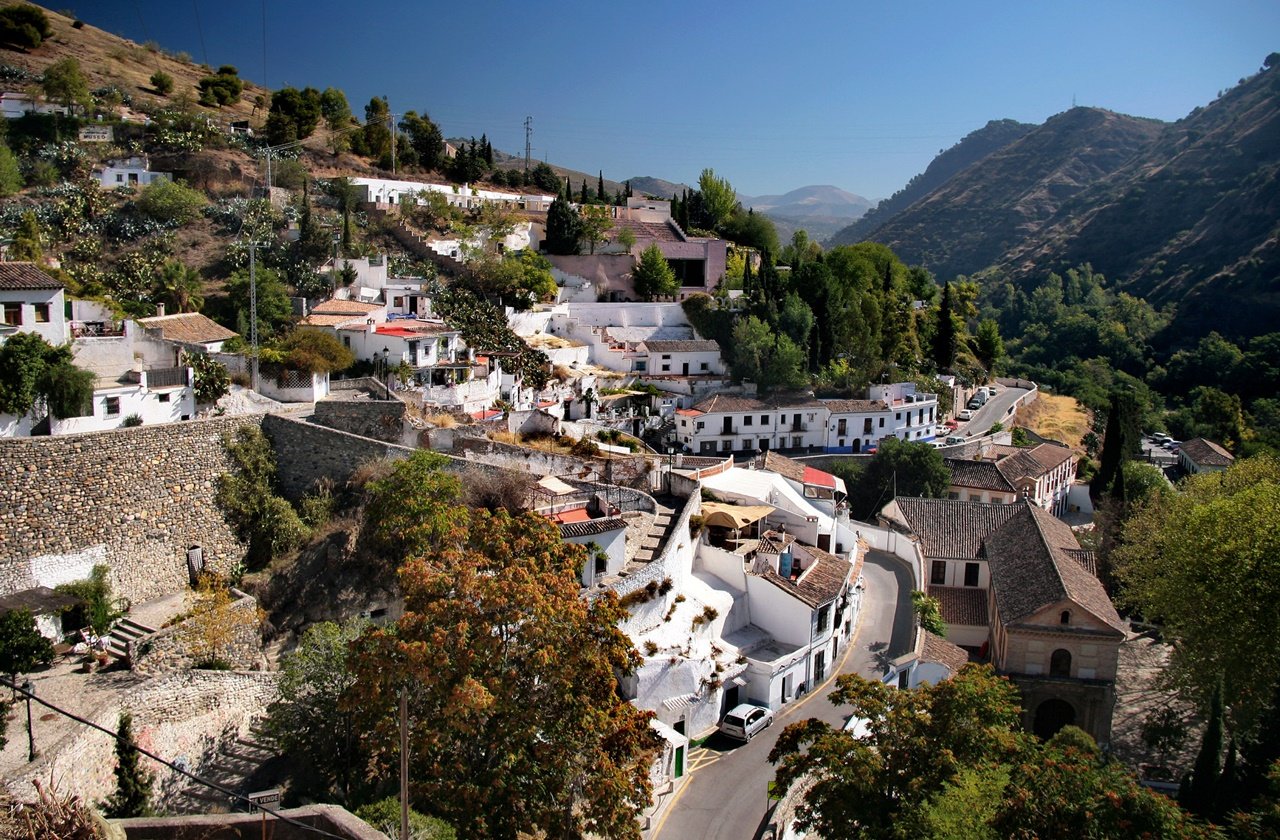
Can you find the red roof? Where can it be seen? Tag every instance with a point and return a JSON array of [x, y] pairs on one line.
[[819, 478], [547, 404], [688, 412], [575, 515], [487, 414]]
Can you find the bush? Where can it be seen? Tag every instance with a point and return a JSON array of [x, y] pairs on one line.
[[132, 420], [212, 382], [24, 26], [315, 352], [22, 648], [170, 203], [222, 88], [268, 523], [101, 608], [384, 816], [162, 82]]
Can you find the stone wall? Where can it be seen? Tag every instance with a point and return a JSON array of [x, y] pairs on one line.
[[632, 471], [171, 648], [135, 499], [328, 818], [183, 717], [378, 419], [307, 453]]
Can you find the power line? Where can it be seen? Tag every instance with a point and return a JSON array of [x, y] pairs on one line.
[[264, 45], [175, 768], [204, 51]]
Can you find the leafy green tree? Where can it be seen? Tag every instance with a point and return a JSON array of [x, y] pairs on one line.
[[249, 502], [917, 743], [595, 224], [415, 506], [212, 380], [170, 202], [1142, 481], [384, 815], [751, 229], [162, 82], [516, 722], [24, 26], [102, 608], [315, 352], [275, 312], [22, 648], [63, 82], [222, 88], [718, 198], [765, 357], [133, 783], [626, 238], [29, 365], [545, 178], [28, 240], [518, 279], [306, 719], [796, 319], [988, 344], [10, 174], [907, 468], [564, 228], [294, 115], [68, 390], [1205, 565], [425, 138], [653, 276], [928, 613]]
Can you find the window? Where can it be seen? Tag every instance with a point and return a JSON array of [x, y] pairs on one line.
[[13, 314], [119, 178], [938, 573], [898, 416], [666, 357], [346, 341], [641, 365], [397, 302], [1060, 663], [882, 422], [666, 368], [970, 574], [795, 442], [701, 425], [726, 446], [111, 406], [824, 618], [955, 497], [704, 366], [746, 421], [1065, 618], [164, 397], [975, 497], [42, 313], [764, 419]]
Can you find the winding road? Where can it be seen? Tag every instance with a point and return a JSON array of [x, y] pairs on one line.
[[726, 796]]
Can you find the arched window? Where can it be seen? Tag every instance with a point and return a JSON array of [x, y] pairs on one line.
[[1060, 663], [1065, 618]]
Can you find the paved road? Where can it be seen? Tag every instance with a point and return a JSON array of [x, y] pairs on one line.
[[725, 799], [995, 410]]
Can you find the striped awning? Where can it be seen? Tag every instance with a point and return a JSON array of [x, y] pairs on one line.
[[683, 701]]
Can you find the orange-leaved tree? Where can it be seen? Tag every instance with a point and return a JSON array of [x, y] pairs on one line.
[[516, 724]]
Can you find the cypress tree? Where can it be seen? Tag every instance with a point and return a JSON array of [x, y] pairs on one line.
[[628, 195], [944, 339], [1117, 441], [584, 197], [563, 228], [600, 196], [133, 784], [487, 149], [1202, 793]]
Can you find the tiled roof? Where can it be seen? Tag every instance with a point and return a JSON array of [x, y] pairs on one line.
[[314, 320], [820, 583], [1206, 453], [1020, 466], [980, 475], [187, 328], [773, 542], [1034, 565], [591, 527], [963, 606], [1051, 455], [937, 649], [953, 529], [854, 406], [729, 402], [25, 275], [345, 307], [687, 346], [783, 466]]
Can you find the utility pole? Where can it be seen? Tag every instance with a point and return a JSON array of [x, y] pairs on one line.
[[253, 307], [404, 765], [528, 142], [391, 124]]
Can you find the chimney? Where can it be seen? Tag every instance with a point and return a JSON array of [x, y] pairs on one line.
[[370, 326], [159, 310]]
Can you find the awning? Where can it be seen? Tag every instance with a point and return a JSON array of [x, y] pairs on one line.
[[553, 486], [683, 701], [738, 681], [722, 515]]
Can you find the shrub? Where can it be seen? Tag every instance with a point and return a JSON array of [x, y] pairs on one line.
[[384, 815], [170, 203], [318, 507], [101, 608], [132, 420], [650, 647], [212, 382], [222, 88], [24, 26], [22, 648], [268, 523], [315, 351], [162, 82]]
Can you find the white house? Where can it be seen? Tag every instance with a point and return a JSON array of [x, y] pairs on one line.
[[1200, 455], [129, 172], [1043, 474], [189, 331], [392, 191], [690, 357], [31, 301], [16, 105]]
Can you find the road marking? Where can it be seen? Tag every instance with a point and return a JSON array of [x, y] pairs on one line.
[[701, 757]]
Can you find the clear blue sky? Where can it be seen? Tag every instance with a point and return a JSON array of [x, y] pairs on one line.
[[772, 95]]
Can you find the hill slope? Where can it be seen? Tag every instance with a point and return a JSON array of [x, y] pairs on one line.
[[1194, 219], [975, 146], [975, 217], [822, 201]]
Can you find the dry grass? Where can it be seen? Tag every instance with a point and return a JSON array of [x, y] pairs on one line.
[[441, 421], [1056, 417]]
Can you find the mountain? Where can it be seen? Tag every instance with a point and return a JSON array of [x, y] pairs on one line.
[[1194, 219], [643, 185], [975, 146], [818, 210], [975, 217]]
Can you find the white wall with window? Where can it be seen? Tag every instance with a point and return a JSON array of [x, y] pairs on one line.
[[39, 311]]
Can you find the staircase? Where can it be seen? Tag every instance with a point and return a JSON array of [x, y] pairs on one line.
[[415, 243], [126, 630], [231, 767], [659, 532]]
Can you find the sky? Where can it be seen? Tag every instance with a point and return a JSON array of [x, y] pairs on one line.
[[771, 95]]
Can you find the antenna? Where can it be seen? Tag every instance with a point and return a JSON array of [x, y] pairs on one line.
[[1073, 100], [528, 142]]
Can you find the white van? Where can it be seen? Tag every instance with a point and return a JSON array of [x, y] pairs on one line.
[[745, 720]]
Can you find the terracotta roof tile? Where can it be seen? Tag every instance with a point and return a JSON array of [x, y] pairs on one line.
[[937, 649], [980, 475], [591, 527], [25, 275], [729, 403], [820, 583], [1206, 453], [685, 346], [963, 606], [187, 328], [854, 406], [950, 529], [334, 306]]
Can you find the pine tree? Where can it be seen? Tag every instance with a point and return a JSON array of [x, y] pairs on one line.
[[600, 196], [563, 228], [1202, 793], [133, 784]]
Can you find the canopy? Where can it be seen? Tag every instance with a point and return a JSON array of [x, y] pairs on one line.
[[722, 515], [553, 486]]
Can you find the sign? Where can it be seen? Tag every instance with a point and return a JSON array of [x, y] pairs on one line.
[[263, 797], [97, 134]]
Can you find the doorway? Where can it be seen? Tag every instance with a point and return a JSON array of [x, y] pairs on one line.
[[1052, 715]]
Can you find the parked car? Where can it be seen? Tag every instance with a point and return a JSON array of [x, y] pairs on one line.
[[1160, 438], [991, 390], [942, 431], [965, 415], [953, 440], [745, 720]]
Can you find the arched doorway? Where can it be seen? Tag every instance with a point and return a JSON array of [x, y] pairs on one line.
[[1052, 715]]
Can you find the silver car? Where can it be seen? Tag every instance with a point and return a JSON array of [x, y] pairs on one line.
[[745, 720]]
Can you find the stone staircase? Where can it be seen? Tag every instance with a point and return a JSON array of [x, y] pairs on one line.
[[659, 532], [231, 767], [414, 242], [126, 630]]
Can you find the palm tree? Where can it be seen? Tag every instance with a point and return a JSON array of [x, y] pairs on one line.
[[179, 287], [588, 399]]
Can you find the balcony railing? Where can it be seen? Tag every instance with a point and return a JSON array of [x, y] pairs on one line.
[[166, 377]]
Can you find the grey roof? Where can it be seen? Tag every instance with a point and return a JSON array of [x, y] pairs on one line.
[[688, 346], [1206, 453], [591, 527], [1034, 564], [820, 583], [39, 600], [729, 403], [950, 529], [980, 475], [25, 275], [1020, 466], [854, 406]]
